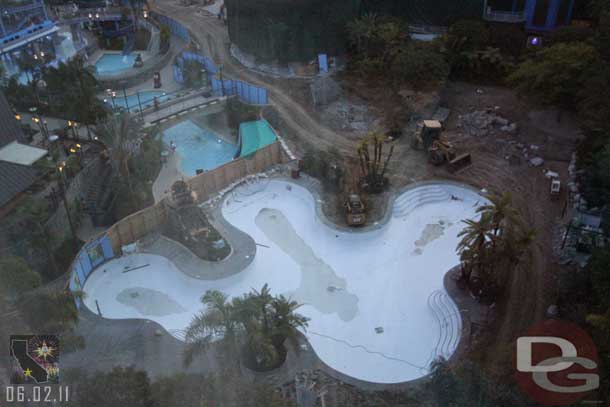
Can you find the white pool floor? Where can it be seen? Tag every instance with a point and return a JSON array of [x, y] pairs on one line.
[[368, 295]]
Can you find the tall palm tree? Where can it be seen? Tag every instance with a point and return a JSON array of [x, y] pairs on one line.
[[217, 321], [257, 320], [493, 245], [119, 134], [287, 323], [500, 210], [473, 245]]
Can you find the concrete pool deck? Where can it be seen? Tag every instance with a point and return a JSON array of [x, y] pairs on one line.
[[309, 259]]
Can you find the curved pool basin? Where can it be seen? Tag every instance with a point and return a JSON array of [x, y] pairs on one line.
[[377, 305]]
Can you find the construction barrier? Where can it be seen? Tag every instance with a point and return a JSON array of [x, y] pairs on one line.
[[174, 26]]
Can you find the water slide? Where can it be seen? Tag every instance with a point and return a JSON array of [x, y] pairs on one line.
[[131, 42]]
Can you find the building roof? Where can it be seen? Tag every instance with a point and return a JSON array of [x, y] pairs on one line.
[[254, 136], [14, 179], [18, 153], [10, 130]]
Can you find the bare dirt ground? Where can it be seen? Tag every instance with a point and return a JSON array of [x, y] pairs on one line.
[[554, 141]]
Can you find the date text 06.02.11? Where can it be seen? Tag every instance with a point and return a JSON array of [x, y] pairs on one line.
[[36, 393]]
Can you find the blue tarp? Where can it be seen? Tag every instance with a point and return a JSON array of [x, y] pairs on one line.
[[323, 62]]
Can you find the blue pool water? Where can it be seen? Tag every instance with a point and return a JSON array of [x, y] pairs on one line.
[[199, 148], [146, 99], [114, 63]]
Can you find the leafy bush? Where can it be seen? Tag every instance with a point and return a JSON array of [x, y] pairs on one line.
[[17, 277], [420, 65], [570, 34], [463, 37], [510, 39], [556, 74], [325, 166]]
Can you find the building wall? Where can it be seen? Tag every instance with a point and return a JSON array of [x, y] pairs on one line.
[[546, 15]]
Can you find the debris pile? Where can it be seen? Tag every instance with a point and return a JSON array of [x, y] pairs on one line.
[[481, 123]]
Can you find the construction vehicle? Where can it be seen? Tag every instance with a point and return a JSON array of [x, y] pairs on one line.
[[442, 152], [356, 212], [427, 135], [555, 188]]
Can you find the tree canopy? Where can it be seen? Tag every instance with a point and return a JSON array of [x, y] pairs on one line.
[[255, 325], [16, 276], [557, 73]]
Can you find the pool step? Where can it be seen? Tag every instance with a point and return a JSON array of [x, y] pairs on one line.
[[449, 322], [411, 200]]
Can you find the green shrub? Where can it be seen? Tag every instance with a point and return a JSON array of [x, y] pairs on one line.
[[16, 276], [420, 65]]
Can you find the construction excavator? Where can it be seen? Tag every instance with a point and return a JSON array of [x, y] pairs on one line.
[[440, 150], [355, 210]]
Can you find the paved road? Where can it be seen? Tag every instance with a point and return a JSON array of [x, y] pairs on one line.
[[212, 36]]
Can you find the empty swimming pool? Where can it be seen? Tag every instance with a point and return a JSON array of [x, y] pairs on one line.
[[109, 64], [198, 147], [378, 308]]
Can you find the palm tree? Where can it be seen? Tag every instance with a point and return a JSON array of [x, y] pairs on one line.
[[493, 245], [473, 245], [258, 321], [73, 87], [216, 322], [287, 323], [372, 165], [119, 134], [500, 210]]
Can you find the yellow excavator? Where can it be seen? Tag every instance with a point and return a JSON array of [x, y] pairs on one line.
[[440, 150], [355, 209]]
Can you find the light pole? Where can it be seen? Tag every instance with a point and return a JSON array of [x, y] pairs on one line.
[[74, 129], [41, 124], [125, 95], [222, 82]]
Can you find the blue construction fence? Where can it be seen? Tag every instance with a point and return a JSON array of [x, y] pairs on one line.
[[251, 94], [89, 257], [175, 27], [247, 93]]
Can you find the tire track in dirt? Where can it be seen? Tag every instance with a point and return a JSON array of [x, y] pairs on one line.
[[213, 33]]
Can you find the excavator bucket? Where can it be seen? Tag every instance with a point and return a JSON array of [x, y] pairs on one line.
[[459, 163]]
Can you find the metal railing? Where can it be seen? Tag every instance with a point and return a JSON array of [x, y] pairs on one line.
[[504, 16]]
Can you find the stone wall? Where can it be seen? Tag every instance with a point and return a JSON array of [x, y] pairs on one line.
[[58, 225]]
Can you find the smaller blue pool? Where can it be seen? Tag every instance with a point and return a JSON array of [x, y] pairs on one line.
[[109, 64], [198, 148], [146, 99]]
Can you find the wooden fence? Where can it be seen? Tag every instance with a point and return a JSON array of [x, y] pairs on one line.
[[211, 182], [136, 226], [139, 224]]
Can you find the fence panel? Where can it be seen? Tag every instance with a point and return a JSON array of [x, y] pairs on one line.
[[174, 26]]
